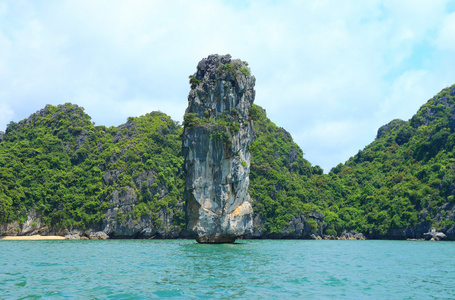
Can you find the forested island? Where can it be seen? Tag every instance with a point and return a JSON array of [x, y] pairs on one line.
[[60, 174]]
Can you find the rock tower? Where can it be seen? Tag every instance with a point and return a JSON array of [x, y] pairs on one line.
[[217, 135]]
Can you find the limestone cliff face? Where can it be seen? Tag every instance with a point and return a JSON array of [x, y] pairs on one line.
[[215, 146]]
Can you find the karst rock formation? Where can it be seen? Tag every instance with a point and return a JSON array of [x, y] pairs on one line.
[[216, 138]]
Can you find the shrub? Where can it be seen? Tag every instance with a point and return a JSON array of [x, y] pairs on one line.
[[312, 223], [191, 120], [245, 71], [219, 136], [229, 68], [254, 112], [194, 82]]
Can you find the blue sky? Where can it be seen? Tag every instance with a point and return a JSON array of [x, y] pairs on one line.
[[329, 72]]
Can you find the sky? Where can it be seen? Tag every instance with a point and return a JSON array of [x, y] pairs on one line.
[[329, 72]]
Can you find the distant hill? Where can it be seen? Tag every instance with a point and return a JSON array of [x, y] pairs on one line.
[[61, 174], [126, 180], [402, 184]]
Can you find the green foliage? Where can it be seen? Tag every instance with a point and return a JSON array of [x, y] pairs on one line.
[[194, 82], [59, 164], [225, 125], [401, 179], [255, 113], [236, 67], [142, 209], [279, 175], [191, 120], [219, 135], [229, 67], [245, 71], [317, 170]]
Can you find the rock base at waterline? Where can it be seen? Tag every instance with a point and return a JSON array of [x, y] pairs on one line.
[[216, 239]]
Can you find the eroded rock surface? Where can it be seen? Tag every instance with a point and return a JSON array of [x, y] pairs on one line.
[[217, 135]]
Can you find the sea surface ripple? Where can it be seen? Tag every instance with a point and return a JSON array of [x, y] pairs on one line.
[[183, 269]]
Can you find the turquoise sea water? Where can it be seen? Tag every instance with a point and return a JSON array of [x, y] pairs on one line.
[[138, 269]]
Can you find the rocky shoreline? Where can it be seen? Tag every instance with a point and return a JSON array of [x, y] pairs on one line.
[[31, 237], [298, 228], [77, 234]]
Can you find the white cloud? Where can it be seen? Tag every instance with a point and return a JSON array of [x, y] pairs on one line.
[[329, 72], [331, 142], [6, 114], [408, 93], [446, 36]]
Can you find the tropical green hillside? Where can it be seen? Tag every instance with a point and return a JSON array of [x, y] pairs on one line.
[[72, 172], [280, 181], [403, 183], [128, 180]]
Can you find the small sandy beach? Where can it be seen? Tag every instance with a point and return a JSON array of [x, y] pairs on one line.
[[31, 237]]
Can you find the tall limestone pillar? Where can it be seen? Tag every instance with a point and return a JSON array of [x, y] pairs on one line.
[[216, 138]]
